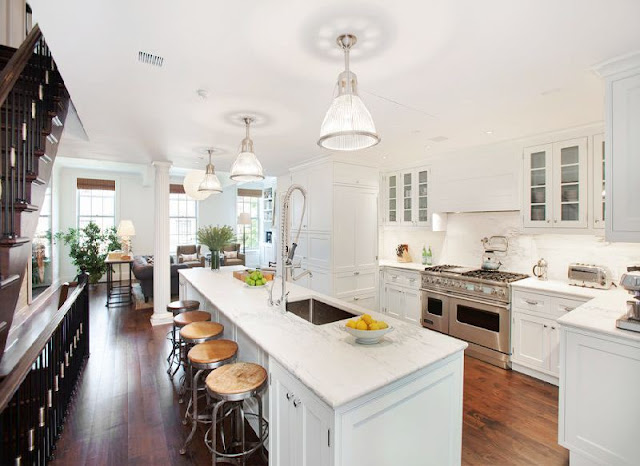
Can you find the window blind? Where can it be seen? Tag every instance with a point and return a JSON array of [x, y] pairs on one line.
[[90, 183], [249, 192], [176, 189]]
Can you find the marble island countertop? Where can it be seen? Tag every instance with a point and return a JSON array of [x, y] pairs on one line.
[[324, 357], [556, 286]]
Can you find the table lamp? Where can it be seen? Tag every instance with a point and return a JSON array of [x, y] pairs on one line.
[[244, 219], [125, 231]]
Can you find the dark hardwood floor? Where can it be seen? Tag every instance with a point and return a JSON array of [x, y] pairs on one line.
[[127, 410]]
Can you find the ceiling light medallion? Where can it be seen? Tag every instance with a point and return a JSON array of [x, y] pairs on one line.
[[247, 167], [210, 182], [348, 125]]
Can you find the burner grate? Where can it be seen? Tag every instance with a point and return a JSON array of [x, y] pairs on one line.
[[441, 268], [495, 275]]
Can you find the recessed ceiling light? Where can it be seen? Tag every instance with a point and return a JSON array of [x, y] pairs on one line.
[[384, 157], [427, 147], [438, 139], [489, 132], [203, 94]]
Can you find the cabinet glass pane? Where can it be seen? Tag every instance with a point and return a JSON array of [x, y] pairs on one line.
[[422, 177], [538, 160], [538, 177], [407, 215], [407, 204], [392, 181], [392, 204], [392, 193], [570, 174], [538, 213], [392, 216], [569, 155], [538, 195], [603, 186], [422, 190], [569, 193], [423, 215], [407, 179], [570, 212], [422, 203]]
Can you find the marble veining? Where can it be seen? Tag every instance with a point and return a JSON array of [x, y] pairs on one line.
[[559, 287], [324, 357]]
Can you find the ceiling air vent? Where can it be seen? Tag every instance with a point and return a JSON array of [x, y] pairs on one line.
[[438, 139], [150, 59]]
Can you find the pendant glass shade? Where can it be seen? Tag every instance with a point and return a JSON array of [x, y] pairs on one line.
[[247, 167], [191, 185], [348, 125], [210, 182]]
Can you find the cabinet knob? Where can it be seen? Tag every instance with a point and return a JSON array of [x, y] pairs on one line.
[[545, 325], [548, 221], [296, 403], [356, 273], [553, 328], [289, 396], [355, 298], [555, 220]]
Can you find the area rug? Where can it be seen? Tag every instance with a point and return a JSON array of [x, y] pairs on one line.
[[138, 298]]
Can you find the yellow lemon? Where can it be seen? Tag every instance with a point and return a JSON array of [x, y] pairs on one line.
[[367, 318], [361, 325], [351, 324], [374, 326], [382, 325]]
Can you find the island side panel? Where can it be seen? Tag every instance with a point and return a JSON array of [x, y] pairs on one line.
[[417, 423]]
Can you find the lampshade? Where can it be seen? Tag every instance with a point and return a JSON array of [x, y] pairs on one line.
[[191, 184], [126, 228], [244, 218], [347, 125], [210, 183], [247, 167]]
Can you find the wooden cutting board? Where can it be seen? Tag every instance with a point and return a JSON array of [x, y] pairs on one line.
[[242, 274]]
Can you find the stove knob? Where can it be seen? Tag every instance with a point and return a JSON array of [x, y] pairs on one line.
[[501, 292]]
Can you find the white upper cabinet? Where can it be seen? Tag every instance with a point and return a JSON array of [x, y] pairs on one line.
[[599, 184], [556, 185], [407, 198]]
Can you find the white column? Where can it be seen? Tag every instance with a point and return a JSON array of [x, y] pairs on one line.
[[161, 264], [12, 22]]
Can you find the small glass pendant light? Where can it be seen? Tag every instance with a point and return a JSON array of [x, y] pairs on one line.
[[210, 183], [247, 167], [348, 125]]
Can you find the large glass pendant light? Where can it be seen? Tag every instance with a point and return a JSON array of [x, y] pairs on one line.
[[348, 125], [210, 183], [247, 167]]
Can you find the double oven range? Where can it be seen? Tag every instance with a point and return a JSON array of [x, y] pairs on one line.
[[472, 305]]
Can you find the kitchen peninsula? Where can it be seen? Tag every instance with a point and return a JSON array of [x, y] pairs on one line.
[[354, 404]]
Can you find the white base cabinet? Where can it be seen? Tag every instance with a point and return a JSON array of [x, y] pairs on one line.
[[599, 410], [535, 335], [416, 420], [400, 294]]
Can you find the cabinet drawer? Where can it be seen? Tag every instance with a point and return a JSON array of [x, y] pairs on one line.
[[358, 281], [531, 302], [561, 306], [402, 277], [366, 300]]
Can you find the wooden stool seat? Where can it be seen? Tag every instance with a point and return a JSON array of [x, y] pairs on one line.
[[185, 318], [201, 330], [237, 378], [177, 307], [212, 351]]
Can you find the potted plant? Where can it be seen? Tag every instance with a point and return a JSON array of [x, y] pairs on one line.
[[215, 238], [89, 247]]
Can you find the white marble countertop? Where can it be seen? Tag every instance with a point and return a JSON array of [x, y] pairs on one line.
[[402, 265], [600, 315], [556, 286], [324, 357]]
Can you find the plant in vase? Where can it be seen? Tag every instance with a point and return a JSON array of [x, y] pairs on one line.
[[215, 238], [88, 248]]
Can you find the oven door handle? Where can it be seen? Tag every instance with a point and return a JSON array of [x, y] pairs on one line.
[[480, 301], [439, 293]]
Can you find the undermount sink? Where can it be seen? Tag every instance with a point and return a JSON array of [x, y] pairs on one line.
[[317, 312]]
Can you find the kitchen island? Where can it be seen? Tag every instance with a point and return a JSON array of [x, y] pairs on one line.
[[396, 402]]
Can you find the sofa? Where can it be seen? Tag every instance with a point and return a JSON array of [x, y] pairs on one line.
[[142, 268], [239, 260], [190, 249]]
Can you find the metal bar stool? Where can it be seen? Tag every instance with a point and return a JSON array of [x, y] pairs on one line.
[[235, 383], [203, 357], [177, 307], [181, 320]]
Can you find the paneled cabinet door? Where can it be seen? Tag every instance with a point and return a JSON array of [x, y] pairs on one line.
[[570, 184], [284, 434], [365, 242], [394, 301], [600, 164], [422, 216], [319, 198], [412, 308], [391, 194], [538, 186], [407, 198], [553, 348], [530, 341]]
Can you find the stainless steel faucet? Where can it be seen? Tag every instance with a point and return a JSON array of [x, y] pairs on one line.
[[288, 252]]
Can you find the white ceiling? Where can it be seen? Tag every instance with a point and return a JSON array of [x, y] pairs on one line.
[[426, 68]]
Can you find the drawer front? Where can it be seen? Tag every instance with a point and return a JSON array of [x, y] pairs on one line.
[[366, 300], [531, 302], [402, 277], [560, 306], [358, 281]]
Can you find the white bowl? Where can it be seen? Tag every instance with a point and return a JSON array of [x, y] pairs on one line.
[[260, 286], [367, 337]]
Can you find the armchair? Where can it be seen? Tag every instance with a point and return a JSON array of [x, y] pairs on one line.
[[190, 249], [230, 248]]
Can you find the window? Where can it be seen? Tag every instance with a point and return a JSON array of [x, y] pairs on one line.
[[41, 247], [96, 202], [183, 218], [249, 201]]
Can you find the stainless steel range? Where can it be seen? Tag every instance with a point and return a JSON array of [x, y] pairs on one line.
[[472, 305]]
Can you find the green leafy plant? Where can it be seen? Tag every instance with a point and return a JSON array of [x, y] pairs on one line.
[[89, 246], [215, 238]]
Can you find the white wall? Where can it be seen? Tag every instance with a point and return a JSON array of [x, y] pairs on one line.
[[460, 245]]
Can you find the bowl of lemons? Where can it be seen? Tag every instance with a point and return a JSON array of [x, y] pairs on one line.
[[367, 330], [255, 279]]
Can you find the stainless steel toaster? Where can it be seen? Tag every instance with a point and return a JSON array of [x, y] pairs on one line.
[[590, 276]]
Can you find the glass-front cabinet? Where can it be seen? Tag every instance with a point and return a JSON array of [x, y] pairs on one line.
[[556, 185], [599, 167], [407, 196]]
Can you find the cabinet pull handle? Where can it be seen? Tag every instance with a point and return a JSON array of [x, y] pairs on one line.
[[553, 328], [569, 308], [289, 396], [545, 325], [532, 302], [355, 298], [296, 403], [412, 280], [356, 273], [394, 277]]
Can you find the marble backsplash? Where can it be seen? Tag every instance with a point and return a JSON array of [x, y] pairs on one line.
[[460, 245]]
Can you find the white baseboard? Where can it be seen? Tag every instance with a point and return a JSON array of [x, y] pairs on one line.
[[535, 374]]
